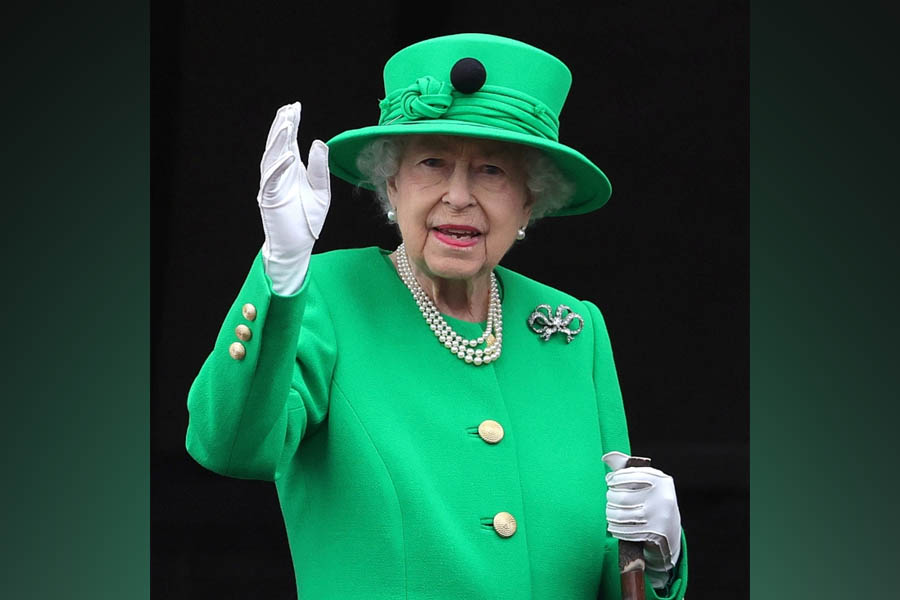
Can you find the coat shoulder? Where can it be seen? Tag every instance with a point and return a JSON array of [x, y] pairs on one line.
[[349, 267], [347, 258], [530, 290]]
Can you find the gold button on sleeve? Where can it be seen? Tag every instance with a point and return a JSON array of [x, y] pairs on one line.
[[249, 312], [490, 431], [243, 332], [237, 351], [505, 524]]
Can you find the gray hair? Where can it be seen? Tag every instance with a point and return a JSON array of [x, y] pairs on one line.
[[379, 160]]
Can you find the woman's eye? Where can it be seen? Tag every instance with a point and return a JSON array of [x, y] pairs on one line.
[[491, 170], [432, 162]]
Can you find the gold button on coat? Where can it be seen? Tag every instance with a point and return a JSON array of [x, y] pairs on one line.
[[237, 351], [490, 431], [243, 332], [249, 312], [504, 524]]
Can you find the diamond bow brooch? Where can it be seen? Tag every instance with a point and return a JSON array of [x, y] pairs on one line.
[[545, 324]]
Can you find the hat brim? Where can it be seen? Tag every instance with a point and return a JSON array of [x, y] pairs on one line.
[[592, 188]]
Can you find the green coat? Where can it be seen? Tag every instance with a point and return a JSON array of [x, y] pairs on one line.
[[369, 428]]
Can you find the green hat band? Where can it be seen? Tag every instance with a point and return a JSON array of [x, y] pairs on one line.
[[492, 106]]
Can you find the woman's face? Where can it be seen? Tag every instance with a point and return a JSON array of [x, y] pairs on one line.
[[459, 203]]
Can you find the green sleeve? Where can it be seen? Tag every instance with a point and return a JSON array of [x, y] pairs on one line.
[[614, 433], [677, 582], [247, 416], [611, 585]]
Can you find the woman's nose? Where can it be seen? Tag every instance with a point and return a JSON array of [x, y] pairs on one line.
[[459, 192]]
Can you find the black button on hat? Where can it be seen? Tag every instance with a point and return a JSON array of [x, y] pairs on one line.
[[468, 75]]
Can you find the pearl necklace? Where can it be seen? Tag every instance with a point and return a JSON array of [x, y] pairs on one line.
[[463, 349]]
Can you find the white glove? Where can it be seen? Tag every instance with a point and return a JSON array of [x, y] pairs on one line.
[[293, 201], [641, 507]]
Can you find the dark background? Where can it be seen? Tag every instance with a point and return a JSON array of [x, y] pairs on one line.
[[660, 101]]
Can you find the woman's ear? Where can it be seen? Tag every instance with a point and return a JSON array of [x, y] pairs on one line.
[[529, 205], [391, 187]]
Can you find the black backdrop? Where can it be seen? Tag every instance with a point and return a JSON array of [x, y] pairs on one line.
[[660, 101]]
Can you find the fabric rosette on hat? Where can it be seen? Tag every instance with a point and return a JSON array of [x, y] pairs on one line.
[[482, 86]]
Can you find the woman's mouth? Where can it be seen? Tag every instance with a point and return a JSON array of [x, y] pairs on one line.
[[458, 236]]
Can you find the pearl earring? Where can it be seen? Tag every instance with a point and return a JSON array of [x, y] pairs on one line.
[[392, 216], [520, 235]]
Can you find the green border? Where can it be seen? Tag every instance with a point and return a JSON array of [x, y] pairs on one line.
[[824, 297], [76, 492]]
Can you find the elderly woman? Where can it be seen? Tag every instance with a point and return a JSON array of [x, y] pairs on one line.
[[401, 401]]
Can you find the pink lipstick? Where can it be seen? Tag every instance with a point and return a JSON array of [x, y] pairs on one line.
[[458, 236]]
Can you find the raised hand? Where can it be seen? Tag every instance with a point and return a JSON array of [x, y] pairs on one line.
[[293, 201]]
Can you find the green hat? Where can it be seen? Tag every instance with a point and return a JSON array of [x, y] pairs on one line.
[[482, 86]]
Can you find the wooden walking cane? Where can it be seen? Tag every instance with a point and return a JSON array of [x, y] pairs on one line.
[[631, 554]]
